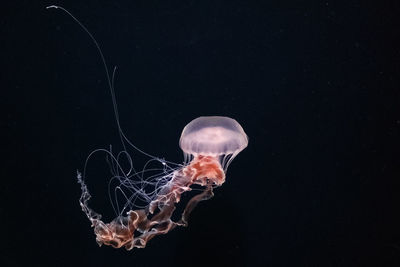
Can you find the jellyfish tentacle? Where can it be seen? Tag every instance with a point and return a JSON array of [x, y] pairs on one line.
[[84, 199], [139, 226], [205, 195]]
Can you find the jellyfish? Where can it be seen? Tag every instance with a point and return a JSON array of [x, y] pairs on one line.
[[209, 145]]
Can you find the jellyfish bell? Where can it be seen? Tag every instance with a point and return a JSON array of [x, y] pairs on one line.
[[213, 136]]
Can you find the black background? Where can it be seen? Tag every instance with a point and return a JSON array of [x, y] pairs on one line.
[[315, 85]]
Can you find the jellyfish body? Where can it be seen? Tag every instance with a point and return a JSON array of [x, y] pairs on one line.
[[209, 145]]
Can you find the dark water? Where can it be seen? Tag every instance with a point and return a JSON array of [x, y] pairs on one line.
[[314, 85]]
